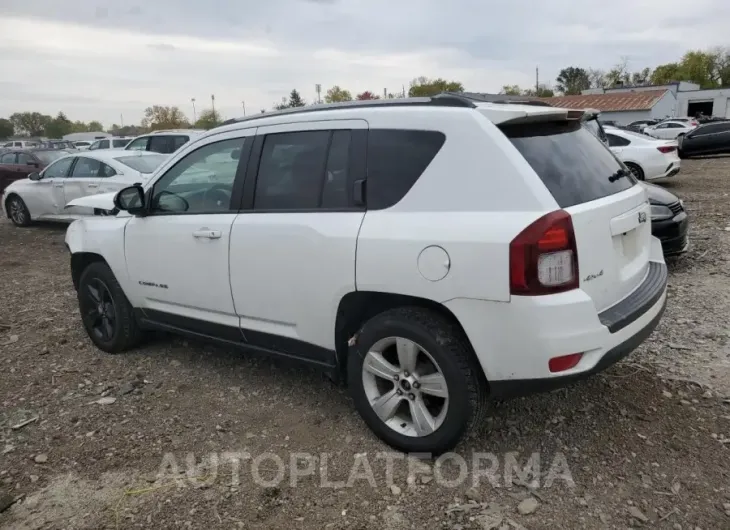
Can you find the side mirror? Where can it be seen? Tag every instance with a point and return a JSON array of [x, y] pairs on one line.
[[130, 199], [34, 176]]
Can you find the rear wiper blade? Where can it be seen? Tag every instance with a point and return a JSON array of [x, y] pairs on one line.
[[620, 173]]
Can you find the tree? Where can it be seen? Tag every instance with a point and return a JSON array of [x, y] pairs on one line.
[[424, 87], [543, 91], [59, 126], [572, 80], [511, 90], [6, 128], [365, 96], [95, 126], [79, 126], [30, 123], [709, 69], [162, 117], [208, 119], [337, 94], [295, 100], [597, 78]]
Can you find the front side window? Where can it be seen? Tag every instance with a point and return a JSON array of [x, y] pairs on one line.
[[140, 144], [291, 170], [201, 182], [58, 169], [103, 144], [24, 159], [179, 141], [86, 168], [7, 158]]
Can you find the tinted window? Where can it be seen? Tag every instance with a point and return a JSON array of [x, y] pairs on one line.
[[106, 171], [336, 189], [569, 160], [291, 171], [616, 141], [162, 144], [7, 158], [179, 141], [104, 144], [25, 159], [120, 143], [675, 126], [202, 181], [86, 168], [58, 169], [140, 144], [395, 160], [711, 129]]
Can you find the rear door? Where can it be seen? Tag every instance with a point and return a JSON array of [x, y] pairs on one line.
[[610, 212]]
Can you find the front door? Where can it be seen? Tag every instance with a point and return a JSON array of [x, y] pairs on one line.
[[47, 197], [294, 244], [177, 255]]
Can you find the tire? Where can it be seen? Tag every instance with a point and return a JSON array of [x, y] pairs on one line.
[[17, 211], [636, 170], [442, 342], [123, 332]]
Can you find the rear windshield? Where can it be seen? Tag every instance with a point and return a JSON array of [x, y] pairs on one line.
[[572, 163], [143, 164], [120, 143]]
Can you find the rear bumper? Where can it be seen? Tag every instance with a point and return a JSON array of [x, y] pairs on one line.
[[514, 341]]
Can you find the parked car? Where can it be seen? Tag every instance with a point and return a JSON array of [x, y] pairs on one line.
[[668, 130], [83, 145], [708, 139], [16, 164], [57, 144], [512, 266], [44, 194], [165, 141], [110, 143], [646, 157], [640, 125], [669, 219], [692, 122], [21, 144]]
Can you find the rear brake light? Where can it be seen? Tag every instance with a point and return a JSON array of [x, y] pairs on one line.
[[666, 148], [543, 258], [565, 362]]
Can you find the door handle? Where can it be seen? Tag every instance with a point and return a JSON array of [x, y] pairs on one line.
[[93, 185], [58, 185], [210, 234]]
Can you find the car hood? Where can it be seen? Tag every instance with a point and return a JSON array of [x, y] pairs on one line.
[[102, 201], [658, 195]]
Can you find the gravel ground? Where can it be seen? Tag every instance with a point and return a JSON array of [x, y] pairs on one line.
[[130, 441]]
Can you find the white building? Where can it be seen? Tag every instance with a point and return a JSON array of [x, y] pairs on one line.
[[85, 136]]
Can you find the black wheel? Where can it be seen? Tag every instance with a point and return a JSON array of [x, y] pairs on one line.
[[415, 380], [105, 311], [635, 170], [17, 210]]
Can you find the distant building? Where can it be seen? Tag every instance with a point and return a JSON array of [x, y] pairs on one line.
[[85, 136], [623, 106]]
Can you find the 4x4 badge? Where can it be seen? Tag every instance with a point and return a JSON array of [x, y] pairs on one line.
[[642, 217]]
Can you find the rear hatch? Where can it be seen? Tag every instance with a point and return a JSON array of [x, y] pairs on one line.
[[610, 212]]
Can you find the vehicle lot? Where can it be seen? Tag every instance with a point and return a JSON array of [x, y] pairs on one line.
[[649, 438]]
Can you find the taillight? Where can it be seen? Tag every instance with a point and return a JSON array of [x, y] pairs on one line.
[[543, 258], [666, 148]]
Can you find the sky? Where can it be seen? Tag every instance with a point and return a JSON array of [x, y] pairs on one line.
[[108, 61]]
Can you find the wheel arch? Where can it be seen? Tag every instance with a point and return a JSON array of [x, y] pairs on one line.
[[9, 196], [79, 262], [357, 307]]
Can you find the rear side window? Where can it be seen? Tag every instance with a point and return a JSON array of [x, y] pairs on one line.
[[179, 141], [572, 163], [616, 141], [396, 159], [162, 144]]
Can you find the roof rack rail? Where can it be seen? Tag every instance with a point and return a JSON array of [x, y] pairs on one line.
[[503, 99], [439, 100]]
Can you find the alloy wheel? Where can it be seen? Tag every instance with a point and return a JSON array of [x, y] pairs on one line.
[[17, 211], [99, 309], [405, 386]]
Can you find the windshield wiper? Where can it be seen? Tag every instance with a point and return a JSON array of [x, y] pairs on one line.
[[620, 173]]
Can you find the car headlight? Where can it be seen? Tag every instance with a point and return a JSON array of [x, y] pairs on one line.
[[660, 213]]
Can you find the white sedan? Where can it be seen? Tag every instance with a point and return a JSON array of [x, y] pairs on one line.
[[44, 195], [669, 130], [646, 157]]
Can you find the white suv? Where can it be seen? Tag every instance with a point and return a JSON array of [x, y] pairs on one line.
[[435, 252], [163, 141]]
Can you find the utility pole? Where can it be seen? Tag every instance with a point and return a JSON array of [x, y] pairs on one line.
[[244, 107], [212, 102], [385, 93], [122, 118], [194, 117], [318, 89], [537, 81]]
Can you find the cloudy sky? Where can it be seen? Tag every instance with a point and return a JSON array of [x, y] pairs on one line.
[[100, 60]]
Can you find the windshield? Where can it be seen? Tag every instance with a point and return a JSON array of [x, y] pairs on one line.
[[572, 163], [49, 156], [143, 164]]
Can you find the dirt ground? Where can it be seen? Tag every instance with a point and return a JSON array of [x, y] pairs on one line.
[[89, 440]]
